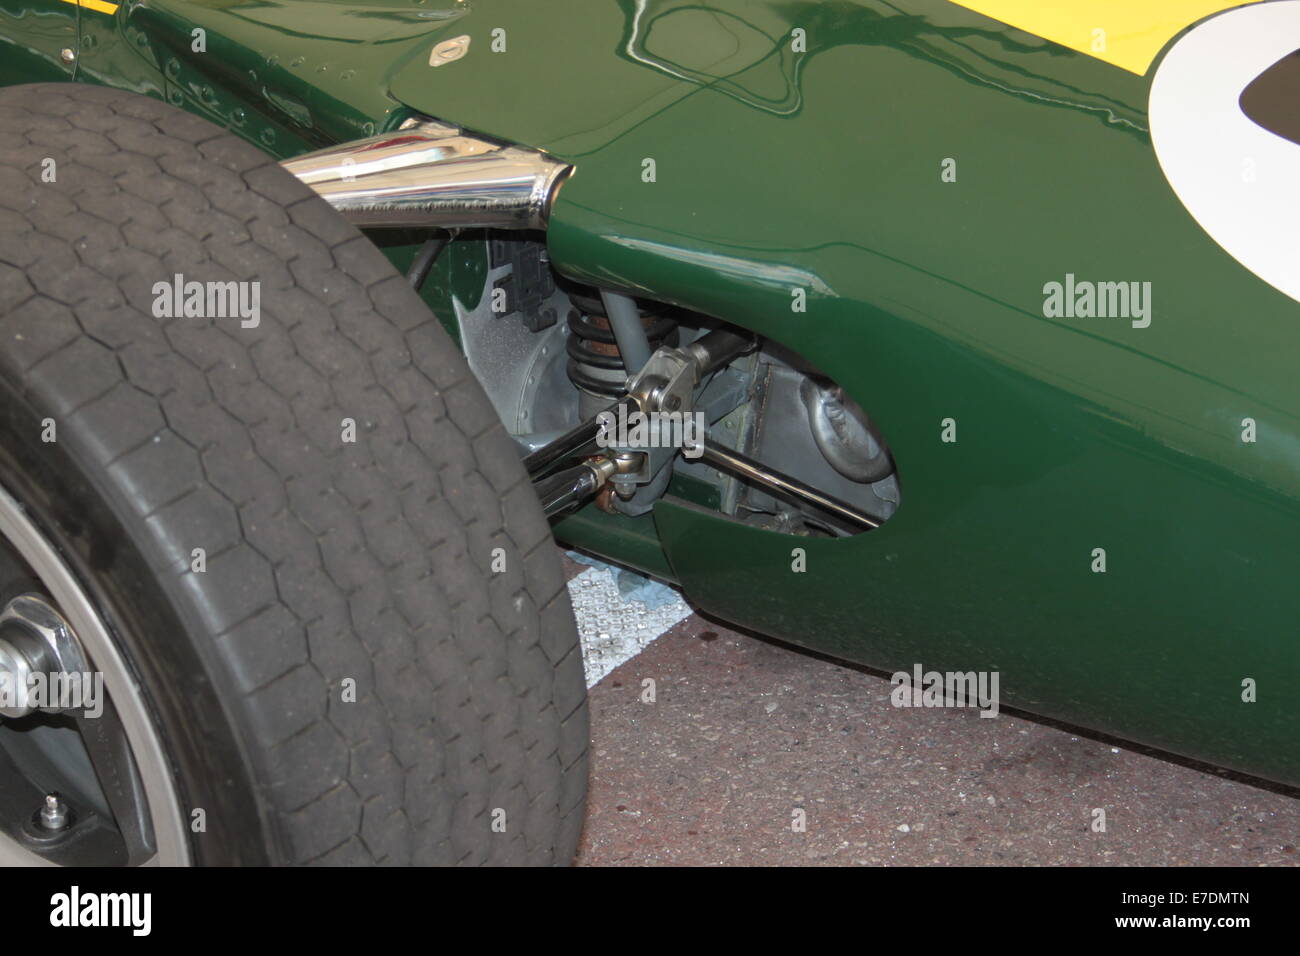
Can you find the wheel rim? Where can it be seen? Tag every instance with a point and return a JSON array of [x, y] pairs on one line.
[[121, 745]]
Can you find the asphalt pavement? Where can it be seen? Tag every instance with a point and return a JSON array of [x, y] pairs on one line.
[[743, 751]]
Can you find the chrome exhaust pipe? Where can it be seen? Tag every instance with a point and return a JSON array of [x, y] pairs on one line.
[[431, 175]]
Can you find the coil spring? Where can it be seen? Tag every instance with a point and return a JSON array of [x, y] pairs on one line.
[[595, 365]]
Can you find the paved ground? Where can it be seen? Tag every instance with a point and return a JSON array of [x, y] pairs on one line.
[[744, 732]]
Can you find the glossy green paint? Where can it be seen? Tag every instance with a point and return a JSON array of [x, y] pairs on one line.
[[821, 170], [633, 542], [32, 35], [290, 75]]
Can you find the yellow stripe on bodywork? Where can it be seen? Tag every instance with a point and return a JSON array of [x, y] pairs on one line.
[[99, 6], [1126, 33]]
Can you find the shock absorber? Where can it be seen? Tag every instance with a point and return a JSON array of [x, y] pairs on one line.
[[595, 366]]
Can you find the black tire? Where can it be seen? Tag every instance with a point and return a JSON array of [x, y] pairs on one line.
[[326, 560]]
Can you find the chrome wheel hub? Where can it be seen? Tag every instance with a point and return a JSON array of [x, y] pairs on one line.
[[42, 665], [84, 777]]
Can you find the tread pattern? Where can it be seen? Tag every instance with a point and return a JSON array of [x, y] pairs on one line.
[[325, 560]]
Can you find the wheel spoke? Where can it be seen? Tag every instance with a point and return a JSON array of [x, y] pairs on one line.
[[110, 754]]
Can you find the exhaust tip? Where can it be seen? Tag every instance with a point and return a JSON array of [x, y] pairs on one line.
[[432, 175]]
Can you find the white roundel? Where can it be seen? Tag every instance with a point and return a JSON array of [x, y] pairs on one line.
[[1239, 180]]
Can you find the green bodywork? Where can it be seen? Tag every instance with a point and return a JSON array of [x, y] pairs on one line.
[[821, 170]]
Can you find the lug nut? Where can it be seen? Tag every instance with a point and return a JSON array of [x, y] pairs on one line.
[[35, 641]]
